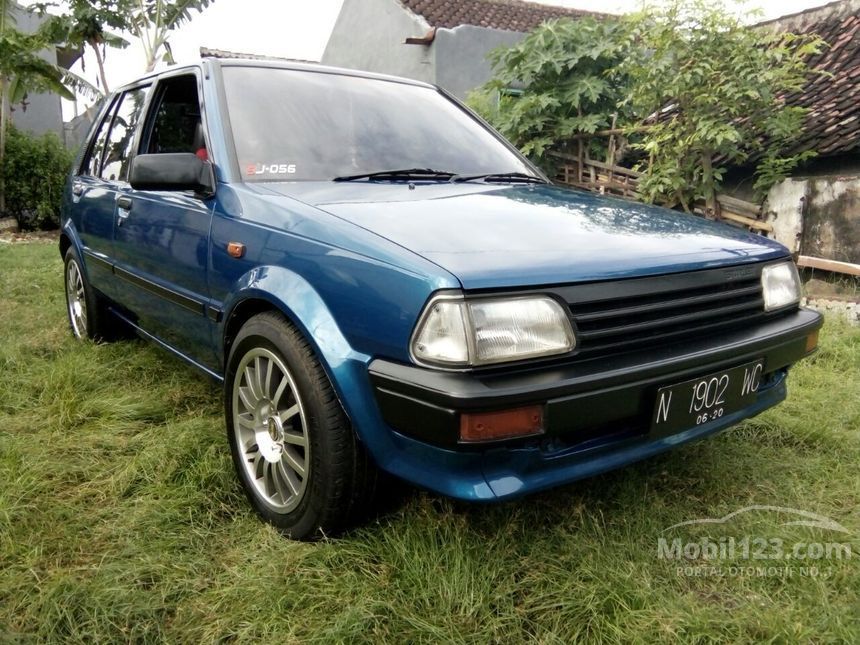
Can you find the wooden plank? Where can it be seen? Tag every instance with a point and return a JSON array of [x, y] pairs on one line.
[[739, 205], [828, 265], [597, 164], [616, 169], [610, 132], [746, 221]]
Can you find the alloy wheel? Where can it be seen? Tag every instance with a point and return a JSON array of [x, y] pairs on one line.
[[76, 299], [271, 429]]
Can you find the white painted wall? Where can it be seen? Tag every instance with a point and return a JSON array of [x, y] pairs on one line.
[[369, 35], [785, 204]]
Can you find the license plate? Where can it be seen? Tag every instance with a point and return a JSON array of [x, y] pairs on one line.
[[704, 399]]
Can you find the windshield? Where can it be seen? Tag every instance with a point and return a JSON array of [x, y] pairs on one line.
[[291, 125]]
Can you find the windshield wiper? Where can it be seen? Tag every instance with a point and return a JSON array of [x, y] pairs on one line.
[[405, 173], [500, 177]]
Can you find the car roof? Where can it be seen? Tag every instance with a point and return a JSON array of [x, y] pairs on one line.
[[272, 64]]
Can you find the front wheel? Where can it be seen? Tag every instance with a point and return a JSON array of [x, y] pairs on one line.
[[298, 459]]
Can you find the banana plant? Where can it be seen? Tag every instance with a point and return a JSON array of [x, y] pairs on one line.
[[23, 70], [87, 23], [153, 20]]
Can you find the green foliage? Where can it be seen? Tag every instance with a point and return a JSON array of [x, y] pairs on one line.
[[23, 68], [35, 170], [564, 67], [695, 88], [711, 88], [86, 22], [152, 21]]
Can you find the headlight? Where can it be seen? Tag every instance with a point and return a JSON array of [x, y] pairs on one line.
[[455, 332], [780, 285]]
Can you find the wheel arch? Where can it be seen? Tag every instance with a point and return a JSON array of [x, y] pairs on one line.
[[278, 289], [65, 243]]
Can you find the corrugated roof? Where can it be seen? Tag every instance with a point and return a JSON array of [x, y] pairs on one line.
[[509, 15]]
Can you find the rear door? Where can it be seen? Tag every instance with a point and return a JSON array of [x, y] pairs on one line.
[[161, 241], [94, 205]]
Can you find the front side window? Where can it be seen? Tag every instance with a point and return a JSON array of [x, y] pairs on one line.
[[175, 124], [117, 155], [302, 125]]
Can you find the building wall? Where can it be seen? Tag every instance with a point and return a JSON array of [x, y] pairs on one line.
[[461, 56], [40, 112], [818, 216], [369, 35]]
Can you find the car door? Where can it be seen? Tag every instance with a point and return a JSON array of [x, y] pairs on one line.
[[94, 205], [161, 238]]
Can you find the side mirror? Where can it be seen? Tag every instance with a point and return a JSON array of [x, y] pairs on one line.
[[172, 171]]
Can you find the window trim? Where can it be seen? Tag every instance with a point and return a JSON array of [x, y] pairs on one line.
[[109, 111], [154, 100], [104, 114], [135, 142]]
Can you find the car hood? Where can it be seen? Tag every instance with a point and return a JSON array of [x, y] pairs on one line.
[[524, 235]]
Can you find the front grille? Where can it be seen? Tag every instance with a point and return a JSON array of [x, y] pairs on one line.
[[624, 315]]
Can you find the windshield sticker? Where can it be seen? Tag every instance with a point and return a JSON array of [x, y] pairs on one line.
[[270, 169]]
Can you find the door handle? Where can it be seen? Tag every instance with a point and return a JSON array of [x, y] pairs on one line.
[[124, 203]]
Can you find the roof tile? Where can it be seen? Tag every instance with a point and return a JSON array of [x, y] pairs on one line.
[[508, 15], [833, 98]]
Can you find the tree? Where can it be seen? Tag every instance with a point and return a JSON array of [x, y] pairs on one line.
[[86, 23], [555, 84], [695, 89], [153, 20], [22, 70], [711, 91]]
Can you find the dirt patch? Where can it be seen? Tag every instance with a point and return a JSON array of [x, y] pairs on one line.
[[30, 236], [846, 309]]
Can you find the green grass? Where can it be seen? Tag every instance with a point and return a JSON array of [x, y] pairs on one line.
[[121, 519]]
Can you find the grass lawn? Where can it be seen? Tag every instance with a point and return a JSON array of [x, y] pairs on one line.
[[121, 519]]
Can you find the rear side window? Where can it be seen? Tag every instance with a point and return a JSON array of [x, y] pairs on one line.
[[175, 125], [117, 155], [92, 163]]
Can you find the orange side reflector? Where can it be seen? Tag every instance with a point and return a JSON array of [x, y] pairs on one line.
[[235, 249], [812, 341], [505, 424]]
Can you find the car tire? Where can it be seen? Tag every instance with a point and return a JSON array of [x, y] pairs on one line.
[[84, 306], [295, 453]]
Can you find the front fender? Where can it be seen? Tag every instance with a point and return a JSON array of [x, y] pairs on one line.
[[346, 368], [306, 309]]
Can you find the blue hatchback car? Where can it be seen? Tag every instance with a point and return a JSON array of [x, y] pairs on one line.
[[385, 285]]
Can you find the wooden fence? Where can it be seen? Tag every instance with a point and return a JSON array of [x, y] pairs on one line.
[[609, 179]]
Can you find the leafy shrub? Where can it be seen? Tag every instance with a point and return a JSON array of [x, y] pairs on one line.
[[692, 85], [35, 171], [555, 84]]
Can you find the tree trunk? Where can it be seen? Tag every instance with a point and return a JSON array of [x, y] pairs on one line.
[[4, 117], [710, 191], [101, 63]]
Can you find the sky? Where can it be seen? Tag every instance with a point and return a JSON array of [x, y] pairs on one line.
[[300, 29]]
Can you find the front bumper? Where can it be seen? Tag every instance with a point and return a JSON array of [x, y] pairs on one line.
[[596, 413]]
